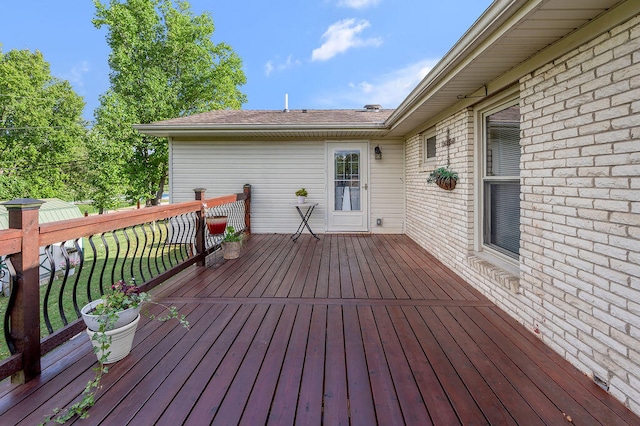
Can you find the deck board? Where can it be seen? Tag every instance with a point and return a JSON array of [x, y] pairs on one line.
[[266, 381], [348, 329], [282, 410]]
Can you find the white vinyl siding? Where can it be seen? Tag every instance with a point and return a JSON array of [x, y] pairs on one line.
[[386, 187], [275, 170]]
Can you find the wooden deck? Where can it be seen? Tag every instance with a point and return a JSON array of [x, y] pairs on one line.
[[348, 329]]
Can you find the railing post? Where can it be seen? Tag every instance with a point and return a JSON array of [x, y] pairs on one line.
[[247, 207], [25, 316], [200, 227]]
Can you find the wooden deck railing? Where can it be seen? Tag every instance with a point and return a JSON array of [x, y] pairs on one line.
[[81, 257]]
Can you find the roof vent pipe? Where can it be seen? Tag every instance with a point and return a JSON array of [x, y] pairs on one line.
[[286, 102]]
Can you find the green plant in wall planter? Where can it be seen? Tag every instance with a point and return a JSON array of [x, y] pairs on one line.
[[111, 324], [444, 178]]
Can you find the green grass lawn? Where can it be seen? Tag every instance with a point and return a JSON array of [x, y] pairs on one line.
[[91, 209]]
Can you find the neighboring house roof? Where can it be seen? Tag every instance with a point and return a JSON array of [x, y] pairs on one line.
[[52, 210], [487, 59]]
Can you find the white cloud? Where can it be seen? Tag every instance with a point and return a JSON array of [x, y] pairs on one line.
[[342, 36], [388, 90], [76, 74], [268, 68], [289, 63], [358, 4]]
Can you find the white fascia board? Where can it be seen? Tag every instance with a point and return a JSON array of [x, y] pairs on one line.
[[379, 129]]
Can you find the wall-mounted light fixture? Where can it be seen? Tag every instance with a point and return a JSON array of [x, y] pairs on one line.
[[378, 153]]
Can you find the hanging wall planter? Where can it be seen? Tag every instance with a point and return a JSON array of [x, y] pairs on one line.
[[444, 178]]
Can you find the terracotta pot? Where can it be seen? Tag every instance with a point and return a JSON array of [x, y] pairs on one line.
[[121, 341], [216, 224], [93, 321]]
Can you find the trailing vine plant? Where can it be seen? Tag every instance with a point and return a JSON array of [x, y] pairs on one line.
[[107, 318]]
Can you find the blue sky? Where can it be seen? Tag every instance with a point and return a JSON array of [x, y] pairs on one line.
[[324, 54]]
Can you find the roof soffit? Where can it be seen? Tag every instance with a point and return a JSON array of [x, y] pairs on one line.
[[508, 34]]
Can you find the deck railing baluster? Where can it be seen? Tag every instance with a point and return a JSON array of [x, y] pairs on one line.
[[173, 238], [80, 251], [115, 261], [104, 265], [135, 252], [126, 253], [161, 243], [93, 266], [182, 224], [65, 277], [45, 303]]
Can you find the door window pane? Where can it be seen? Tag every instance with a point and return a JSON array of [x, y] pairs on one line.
[[347, 180]]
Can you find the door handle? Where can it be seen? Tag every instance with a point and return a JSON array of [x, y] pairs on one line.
[[366, 186]]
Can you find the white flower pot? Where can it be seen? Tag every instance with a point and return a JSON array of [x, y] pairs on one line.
[[121, 341], [93, 321], [301, 199]]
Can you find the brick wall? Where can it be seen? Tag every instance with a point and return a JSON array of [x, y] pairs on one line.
[[433, 214], [580, 246], [579, 281]]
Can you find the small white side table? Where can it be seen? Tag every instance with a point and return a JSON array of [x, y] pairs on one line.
[[305, 219]]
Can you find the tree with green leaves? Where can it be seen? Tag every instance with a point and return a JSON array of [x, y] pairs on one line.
[[105, 177], [42, 133], [163, 65]]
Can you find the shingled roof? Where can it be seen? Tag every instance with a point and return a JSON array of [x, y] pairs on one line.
[[292, 117], [282, 123]]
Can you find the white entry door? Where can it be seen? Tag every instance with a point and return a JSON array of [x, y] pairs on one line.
[[348, 171]]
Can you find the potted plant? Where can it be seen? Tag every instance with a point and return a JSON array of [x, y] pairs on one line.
[[114, 314], [117, 308], [111, 324], [231, 243], [444, 178], [302, 194]]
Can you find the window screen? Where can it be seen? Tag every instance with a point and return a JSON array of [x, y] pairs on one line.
[[502, 181], [430, 147]]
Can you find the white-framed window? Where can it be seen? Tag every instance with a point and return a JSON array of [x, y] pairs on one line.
[[498, 221], [429, 147]]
